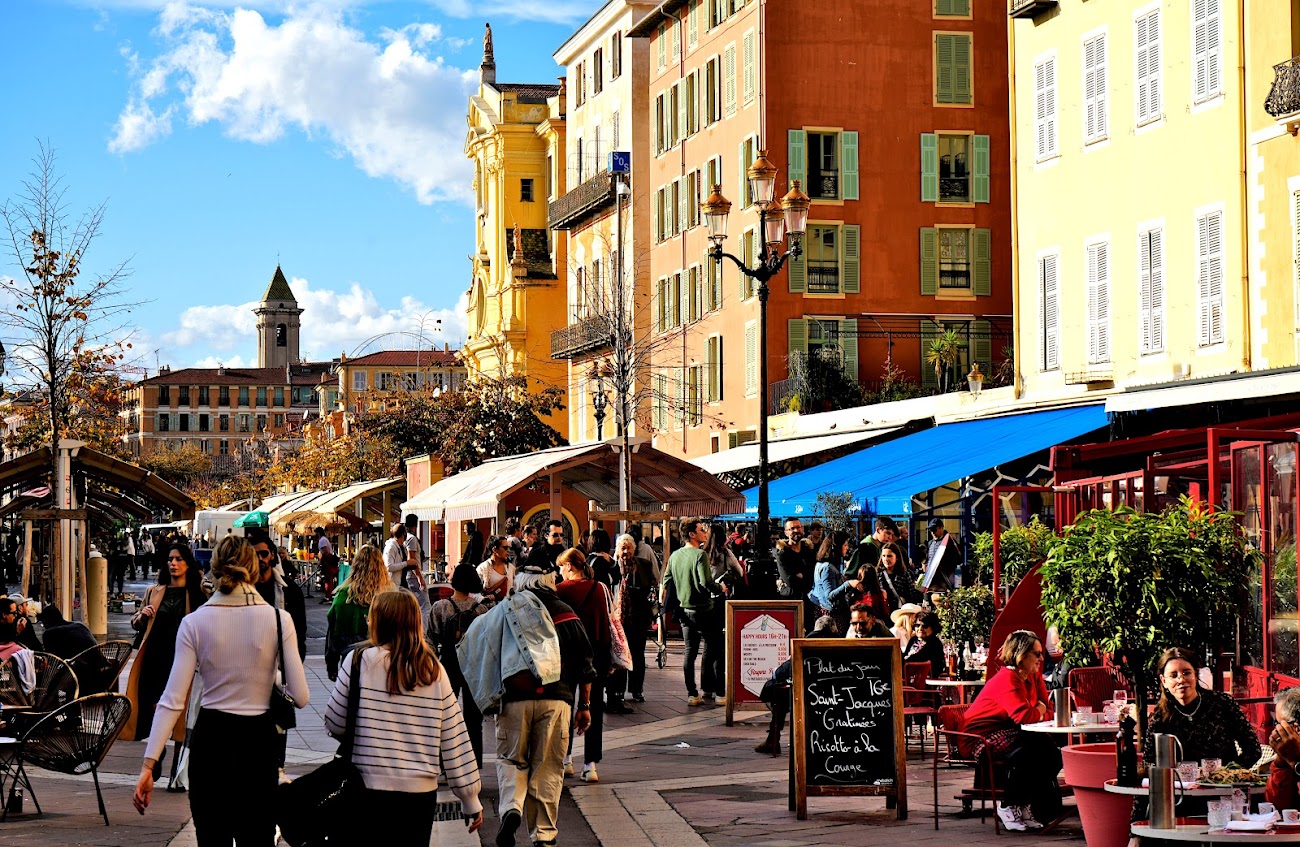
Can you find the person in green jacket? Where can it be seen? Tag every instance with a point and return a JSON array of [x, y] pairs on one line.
[[350, 609], [697, 599]]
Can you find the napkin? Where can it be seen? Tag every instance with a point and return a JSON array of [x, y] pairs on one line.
[[1249, 826]]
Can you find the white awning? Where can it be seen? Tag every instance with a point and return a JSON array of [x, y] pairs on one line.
[[746, 455], [1240, 387], [275, 501], [325, 504]]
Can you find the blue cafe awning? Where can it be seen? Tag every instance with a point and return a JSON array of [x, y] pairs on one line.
[[884, 478]]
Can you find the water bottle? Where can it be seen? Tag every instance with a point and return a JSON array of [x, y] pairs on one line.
[[1062, 702]]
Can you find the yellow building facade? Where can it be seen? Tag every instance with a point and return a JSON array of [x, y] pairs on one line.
[[517, 292], [1130, 203]]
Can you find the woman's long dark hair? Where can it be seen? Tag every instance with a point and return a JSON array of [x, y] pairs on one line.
[[717, 547], [1164, 710], [832, 549], [193, 575]]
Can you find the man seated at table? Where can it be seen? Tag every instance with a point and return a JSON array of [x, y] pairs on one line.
[[863, 623], [1282, 789], [17, 663]]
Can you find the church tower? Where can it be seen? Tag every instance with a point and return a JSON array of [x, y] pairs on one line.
[[277, 324]]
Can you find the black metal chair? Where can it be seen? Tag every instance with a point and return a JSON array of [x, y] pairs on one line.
[[73, 739], [56, 683], [98, 668]]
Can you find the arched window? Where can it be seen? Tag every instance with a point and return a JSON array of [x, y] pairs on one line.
[[281, 335]]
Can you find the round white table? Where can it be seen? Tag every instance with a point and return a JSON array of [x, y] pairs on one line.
[[1050, 728], [1197, 831], [1194, 791], [960, 684]]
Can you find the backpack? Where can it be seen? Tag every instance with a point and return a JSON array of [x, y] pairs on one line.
[[454, 630]]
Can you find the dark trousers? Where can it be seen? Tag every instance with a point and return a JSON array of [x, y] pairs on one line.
[[594, 738], [1028, 774], [117, 576], [469, 710], [406, 818], [233, 753], [633, 681], [707, 627]]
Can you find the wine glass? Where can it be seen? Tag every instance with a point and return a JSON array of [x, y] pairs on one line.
[[1120, 697]]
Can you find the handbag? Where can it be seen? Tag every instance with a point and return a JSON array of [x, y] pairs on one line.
[[310, 809], [284, 711]]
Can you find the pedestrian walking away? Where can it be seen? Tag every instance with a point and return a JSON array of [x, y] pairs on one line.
[[591, 601], [346, 618], [449, 619], [636, 604], [689, 579]]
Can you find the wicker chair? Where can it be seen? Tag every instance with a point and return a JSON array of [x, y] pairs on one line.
[[74, 739], [97, 668], [11, 691], [56, 683]]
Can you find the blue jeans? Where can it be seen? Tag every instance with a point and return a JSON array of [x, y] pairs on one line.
[[706, 626]]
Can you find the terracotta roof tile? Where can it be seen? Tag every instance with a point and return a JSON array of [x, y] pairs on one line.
[[407, 358], [220, 376]]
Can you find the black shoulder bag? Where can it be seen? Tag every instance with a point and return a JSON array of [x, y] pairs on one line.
[[312, 810], [284, 711]]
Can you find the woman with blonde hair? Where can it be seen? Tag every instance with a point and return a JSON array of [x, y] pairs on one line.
[[407, 721], [1028, 762], [232, 642], [346, 619]]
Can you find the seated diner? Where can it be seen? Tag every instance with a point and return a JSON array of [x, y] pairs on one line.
[[1208, 724]]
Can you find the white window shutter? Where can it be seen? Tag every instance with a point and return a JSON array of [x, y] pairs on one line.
[[1098, 304], [1051, 314], [693, 26], [729, 80], [1045, 107], [1214, 48], [1147, 91], [1295, 222], [1094, 89], [1214, 232], [1145, 311], [1157, 238], [748, 63], [751, 359]]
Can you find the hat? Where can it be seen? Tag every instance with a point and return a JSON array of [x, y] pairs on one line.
[[905, 609], [825, 626], [465, 578], [936, 523]]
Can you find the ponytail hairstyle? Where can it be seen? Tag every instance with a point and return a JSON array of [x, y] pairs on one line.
[[395, 624], [233, 564], [574, 558]]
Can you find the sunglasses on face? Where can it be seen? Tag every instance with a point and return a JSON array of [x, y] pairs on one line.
[[263, 554]]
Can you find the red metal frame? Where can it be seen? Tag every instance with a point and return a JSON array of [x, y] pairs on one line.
[[997, 529]]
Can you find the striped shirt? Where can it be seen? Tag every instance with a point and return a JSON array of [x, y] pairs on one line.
[[401, 737]]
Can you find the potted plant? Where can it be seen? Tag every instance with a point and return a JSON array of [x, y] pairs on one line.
[[1020, 548], [965, 613], [944, 351]]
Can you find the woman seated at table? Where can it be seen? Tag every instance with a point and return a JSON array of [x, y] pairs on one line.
[[1283, 789], [1025, 763], [926, 645], [1208, 724]]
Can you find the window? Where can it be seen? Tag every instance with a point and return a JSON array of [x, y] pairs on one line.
[[747, 157], [261, 423], [359, 381], [598, 71], [281, 335], [661, 46], [675, 40], [385, 381], [952, 69], [526, 190], [205, 423], [1049, 315], [712, 175], [616, 55], [713, 284], [954, 169], [823, 166], [224, 447], [203, 395], [694, 294], [661, 134], [952, 8], [729, 79], [751, 359], [579, 84], [279, 396], [692, 199], [1045, 107], [261, 395], [1148, 94], [1095, 118], [823, 259], [713, 367], [717, 12], [1098, 303], [1207, 49], [164, 395], [956, 259], [829, 339], [712, 92], [183, 423], [749, 70], [185, 395], [243, 396], [164, 423], [223, 423], [1151, 288], [1209, 278], [692, 103], [693, 409], [245, 422], [749, 248], [674, 112]]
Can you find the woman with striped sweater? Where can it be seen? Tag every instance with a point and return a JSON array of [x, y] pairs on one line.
[[407, 721]]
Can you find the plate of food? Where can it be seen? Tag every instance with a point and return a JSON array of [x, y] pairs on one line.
[[1232, 776]]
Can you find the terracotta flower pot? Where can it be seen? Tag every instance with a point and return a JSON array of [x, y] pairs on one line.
[[1105, 816]]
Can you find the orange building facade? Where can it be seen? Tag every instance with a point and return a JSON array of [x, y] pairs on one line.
[[894, 117]]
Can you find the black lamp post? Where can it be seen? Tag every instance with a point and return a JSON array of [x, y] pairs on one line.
[[777, 221], [598, 402]]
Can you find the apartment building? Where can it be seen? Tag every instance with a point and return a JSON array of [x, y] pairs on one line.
[[607, 91], [893, 116], [387, 372]]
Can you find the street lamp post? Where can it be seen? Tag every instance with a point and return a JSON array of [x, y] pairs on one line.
[[787, 218], [598, 402]]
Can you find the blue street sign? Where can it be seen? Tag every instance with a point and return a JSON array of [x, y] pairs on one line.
[[620, 162]]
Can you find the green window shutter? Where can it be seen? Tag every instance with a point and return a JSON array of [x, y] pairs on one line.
[[929, 260], [929, 332], [961, 69], [683, 302], [982, 248], [929, 167], [943, 68], [981, 344], [981, 168], [797, 145], [742, 176], [797, 271], [849, 165], [798, 335], [851, 279], [849, 344]]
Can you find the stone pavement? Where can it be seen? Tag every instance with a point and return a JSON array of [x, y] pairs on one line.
[[653, 790]]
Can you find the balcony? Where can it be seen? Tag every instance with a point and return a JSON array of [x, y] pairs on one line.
[[582, 202], [1283, 100], [824, 185], [583, 336], [1029, 8], [823, 279]]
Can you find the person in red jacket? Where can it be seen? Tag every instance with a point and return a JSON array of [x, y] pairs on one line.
[[1026, 763], [1282, 790]]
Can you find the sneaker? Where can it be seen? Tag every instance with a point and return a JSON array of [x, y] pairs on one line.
[[509, 823], [1012, 818], [638, 698], [720, 699], [695, 700], [568, 766], [1028, 819], [589, 773], [710, 700]]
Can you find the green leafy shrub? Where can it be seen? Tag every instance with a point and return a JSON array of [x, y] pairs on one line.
[[966, 613], [1022, 547]]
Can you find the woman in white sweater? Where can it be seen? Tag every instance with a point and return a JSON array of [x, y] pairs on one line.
[[231, 641], [407, 721]]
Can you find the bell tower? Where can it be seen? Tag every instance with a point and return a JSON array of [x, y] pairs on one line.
[[277, 324]]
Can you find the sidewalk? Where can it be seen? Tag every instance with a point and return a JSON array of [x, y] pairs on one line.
[[717, 791]]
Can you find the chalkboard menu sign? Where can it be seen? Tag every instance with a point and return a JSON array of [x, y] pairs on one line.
[[848, 720]]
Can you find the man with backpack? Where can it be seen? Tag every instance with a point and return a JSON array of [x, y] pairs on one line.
[[448, 621]]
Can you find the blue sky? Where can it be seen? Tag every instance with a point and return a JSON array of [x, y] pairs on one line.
[[324, 135]]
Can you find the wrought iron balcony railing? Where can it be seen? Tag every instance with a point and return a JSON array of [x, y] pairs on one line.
[[824, 185], [583, 336], [1029, 8], [583, 201], [823, 279], [1284, 97]]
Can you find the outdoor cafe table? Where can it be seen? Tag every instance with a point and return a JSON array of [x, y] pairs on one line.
[[1197, 831], [1112, 787], [1050, 728], [960, 684]]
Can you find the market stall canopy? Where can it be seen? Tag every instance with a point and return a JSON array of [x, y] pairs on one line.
[[884, 479], [590, 469], [333, 508], [780, 450], [134, 481]]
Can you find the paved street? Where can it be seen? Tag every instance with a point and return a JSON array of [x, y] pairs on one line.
[[715, 792]]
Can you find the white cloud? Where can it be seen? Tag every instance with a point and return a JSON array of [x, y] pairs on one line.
[[551, 11], [235, 361], [393, 106], [333, 322]]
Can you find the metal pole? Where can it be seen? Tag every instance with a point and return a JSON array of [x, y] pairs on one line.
[[764, 511], [622, 357]]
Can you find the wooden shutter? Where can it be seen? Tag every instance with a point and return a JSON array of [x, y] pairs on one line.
[[747, 65], [676, 30], [848, 165], [729, 80], [1045, 107], [797, 335], [661, 307], [797, 273], [683, 293], [1144, 293], [742, 174], [683, 204], [961, 68], [929, 167], [929, 260], [1098, 303], [1094, 89], [849, 344], [715, 281], [980, 171], [1147, 91], [981, 250], [943, 50], [981, 345], [1049, 314], [1157, 238], [715, 368], [1207, 17], [851, 264], [661, 43], [929, 332], [693, 26], [1211, 228], [751, 359], [796, 147], [680, 88]]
